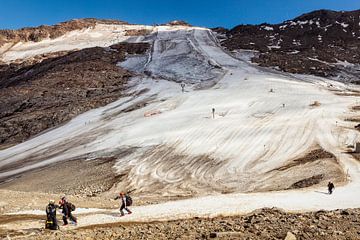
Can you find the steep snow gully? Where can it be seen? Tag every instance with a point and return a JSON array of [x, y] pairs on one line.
[[174, 146]]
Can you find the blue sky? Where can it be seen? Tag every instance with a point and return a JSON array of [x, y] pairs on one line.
[[211, 13]]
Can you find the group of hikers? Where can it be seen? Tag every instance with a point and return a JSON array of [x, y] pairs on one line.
[[67, 209]]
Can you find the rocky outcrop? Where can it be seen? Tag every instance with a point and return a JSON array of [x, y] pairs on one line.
[[262, 224], [35, 97], [178, 23], [323, 43], [36, 34]]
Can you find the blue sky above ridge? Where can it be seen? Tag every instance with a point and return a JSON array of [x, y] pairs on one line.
[[211, 13]]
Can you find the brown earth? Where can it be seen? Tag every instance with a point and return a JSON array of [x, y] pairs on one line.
[[312, 156], [137, 32], [261, 224], [46, 94], [355, 108], [315, 167], [77, 177], [307, 182]]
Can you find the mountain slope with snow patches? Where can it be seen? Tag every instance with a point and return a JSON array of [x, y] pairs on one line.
[[322, 43], [165, 142]]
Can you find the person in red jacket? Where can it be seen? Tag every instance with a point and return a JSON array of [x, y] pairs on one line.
[[67, 211], [124, 203]]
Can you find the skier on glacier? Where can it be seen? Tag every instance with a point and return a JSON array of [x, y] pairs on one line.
[[125, 202]]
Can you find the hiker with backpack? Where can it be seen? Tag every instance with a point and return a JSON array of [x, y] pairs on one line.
[[331, 187], [125, 202], [51, 221], [67, 209]]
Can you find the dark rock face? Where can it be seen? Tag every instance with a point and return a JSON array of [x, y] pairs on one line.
[[323, 43], [35, 97], [37, 34]]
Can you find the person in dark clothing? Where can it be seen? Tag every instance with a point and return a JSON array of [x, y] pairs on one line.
[[213, 112], [182, 87], [331, 187], [67, 211], [51, 221], [122, 196]]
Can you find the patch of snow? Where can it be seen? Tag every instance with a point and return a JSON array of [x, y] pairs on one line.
[[344, 63], [326, 27], [294, 52], [344, 25], [292, 23], [320, 38], [42, 212], [268, 28], [318, 60], [245, 55], [302, 22], [296, 42], [273, 47]]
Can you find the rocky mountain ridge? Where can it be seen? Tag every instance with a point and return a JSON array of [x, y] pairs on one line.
[[323, 43]]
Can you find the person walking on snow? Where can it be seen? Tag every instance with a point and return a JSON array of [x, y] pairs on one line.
[[331, 187], [67, 209], [125, 202], [182, 87], [213, 112]]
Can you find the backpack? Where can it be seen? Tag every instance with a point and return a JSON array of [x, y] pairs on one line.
[[129, 200], [49, 224], [71, 206]]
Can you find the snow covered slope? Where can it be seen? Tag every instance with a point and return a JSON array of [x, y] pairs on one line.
[[102, 35], [167, 139]]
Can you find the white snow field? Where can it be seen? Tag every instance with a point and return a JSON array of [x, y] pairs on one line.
[[174, 146]]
